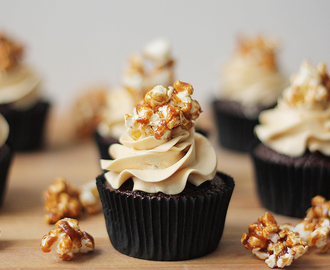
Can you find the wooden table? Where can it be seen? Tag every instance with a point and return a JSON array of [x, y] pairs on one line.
[[22, 216]]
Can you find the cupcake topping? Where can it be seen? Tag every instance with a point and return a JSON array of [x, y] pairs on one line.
[[4, 130], [278, 247], [10, 53], [301, 119], [162, 110], [251, 77], [160, 150]]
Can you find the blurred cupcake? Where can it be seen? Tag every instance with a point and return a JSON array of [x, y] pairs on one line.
[[251, 82], [5, 156], [143, 72], [292, 164], [20, 98], [162, 196]]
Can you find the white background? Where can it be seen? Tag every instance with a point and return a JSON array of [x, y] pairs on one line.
[[76, 44]]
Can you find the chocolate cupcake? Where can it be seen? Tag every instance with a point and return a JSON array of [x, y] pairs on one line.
[[292, 164], [144, 71], [162, 196], [251, 84], [5, 157], [20, 98]]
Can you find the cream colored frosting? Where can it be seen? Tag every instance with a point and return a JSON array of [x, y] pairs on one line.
[[161, 165], [119, 102], [19, 86], [251, 77], [301, 120], [4, 130]]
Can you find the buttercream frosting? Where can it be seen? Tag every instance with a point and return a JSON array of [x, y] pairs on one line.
[[251, 77], [301, 120], [4, 130], [162, 163]]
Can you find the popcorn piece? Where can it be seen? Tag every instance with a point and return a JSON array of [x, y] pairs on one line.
[[309, 88], [278, 247], [10, 53], [89, 198], [87, 111], [67, 239], [61, 201], [162, 110]]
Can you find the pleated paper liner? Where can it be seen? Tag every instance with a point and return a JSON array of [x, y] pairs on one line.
[[27, 126], [287, 188], [165, 229], [235, 130], [103, 144], [5, 160]]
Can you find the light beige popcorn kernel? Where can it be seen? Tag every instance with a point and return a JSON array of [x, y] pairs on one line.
[[89, 198], [278, 247], [67, 239], [62, 200], [162, 110]]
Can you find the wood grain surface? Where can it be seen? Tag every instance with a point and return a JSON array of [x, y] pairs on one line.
[[22, 215]]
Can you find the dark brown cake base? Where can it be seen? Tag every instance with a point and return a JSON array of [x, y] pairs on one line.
[[166, 227], [103, 144], [286, 184], [5, 160], [26, 127], [235, 128]]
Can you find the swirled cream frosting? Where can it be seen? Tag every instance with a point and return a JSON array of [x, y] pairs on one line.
[[19, 83], [301, 120], [251, 77], [162, 163], [4, 130]]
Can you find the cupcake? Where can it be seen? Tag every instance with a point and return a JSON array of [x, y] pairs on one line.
[[292, 162], [143, 72], [5, 156], [20, 101], [251, 84], [162, 196]]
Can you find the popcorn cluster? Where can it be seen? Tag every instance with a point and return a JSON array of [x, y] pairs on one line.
[[65, 200], [162, 110], [154, 66], [315, 227], [67, 239], [309, 88], [260, 49], [10, 53], [278, 247]]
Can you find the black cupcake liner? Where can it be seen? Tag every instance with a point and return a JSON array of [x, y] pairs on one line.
[[288, 189], [165, 229], [27, 126], [103, 144], [235, 130], [5, 160]]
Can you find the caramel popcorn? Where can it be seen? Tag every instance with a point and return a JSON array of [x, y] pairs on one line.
[[309, 88], [278, 247], [89, 198], [10, 53], [62, 200], [87, 111], [162, 110], [67, 239], [259, 48]]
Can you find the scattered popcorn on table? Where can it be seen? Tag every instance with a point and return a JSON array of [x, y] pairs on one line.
[[62, 200], [162, 110], [278, 247], [89, 198], [67, 239]]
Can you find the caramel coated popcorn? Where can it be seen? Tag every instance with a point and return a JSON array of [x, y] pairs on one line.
[[162, 110], [89, 198], [62, 200], [67, 239], [10, 53], [278, 247]]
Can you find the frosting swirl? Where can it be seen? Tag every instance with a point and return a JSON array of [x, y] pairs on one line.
[[301, 120], [4, 130], [162, 165], [251, 77]]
